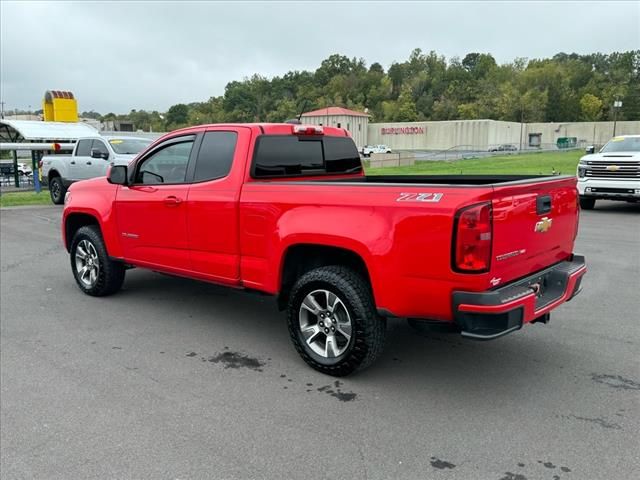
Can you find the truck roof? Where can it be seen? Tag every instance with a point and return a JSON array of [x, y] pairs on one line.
[[267, 128]]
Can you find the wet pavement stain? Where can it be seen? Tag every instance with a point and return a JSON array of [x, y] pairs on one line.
[[598, 421], [441, 464], [513, 476], [615, 381], [116, 348], [191, 354], [237, 360], [336, 392], [547, 464], [521, 465], [565, 469]]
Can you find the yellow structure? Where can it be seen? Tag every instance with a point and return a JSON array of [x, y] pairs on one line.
[[59, 106]]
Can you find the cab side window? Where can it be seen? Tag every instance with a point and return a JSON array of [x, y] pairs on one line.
[[215, 156], [167, 165], [100, 146]]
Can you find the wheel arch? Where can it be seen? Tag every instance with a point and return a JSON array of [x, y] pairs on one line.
[[300, 258], [75, 221]]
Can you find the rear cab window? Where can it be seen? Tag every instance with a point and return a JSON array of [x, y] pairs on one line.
[[293, 156]]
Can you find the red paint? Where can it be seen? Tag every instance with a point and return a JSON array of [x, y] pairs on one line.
[[236, 230]]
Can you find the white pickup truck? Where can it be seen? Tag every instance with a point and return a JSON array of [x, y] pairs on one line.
[[613, 173], [367, 150], [90, 158]]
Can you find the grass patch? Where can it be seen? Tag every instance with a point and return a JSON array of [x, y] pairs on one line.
[[15, 199], [526, 164]]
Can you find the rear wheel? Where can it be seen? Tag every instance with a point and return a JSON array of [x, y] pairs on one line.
[[333, 322], [587, 203], [95, 273], [57, 190]]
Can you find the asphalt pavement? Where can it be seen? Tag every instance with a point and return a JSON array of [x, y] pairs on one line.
[[175, 379]]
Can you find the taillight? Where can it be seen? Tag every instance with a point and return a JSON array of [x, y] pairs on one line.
[[472, 233], [308, 130]]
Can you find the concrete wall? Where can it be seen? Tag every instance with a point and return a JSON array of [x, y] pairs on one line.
[[587, 133], [483, 134], [463, 134], [356, 126]]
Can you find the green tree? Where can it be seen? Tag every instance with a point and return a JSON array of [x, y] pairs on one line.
[[591, 107], [177, 115]]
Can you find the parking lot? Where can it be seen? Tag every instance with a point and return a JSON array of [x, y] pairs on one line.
[[176, 379]]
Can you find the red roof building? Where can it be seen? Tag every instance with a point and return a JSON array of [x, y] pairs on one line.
[[334, 111]]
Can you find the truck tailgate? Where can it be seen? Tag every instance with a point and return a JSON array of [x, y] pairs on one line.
[[534, 226]]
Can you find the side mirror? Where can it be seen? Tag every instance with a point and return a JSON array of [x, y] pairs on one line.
[[96, 153], [118, 175], [590, 149]]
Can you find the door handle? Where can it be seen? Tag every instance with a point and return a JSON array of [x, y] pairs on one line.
[[88, 163], [73, 162], [172, 201]]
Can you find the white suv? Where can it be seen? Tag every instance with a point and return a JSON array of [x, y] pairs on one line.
[[613, 173], [367, 150]]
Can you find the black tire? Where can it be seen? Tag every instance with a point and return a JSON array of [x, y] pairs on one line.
[[110, 274], [587, 203], [368, 329], [57, 190]]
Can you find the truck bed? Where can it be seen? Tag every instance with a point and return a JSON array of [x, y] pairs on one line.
[[458, 180]]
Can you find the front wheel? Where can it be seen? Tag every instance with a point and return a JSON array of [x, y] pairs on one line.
[[95, 273], [587, 203], [333, 322]]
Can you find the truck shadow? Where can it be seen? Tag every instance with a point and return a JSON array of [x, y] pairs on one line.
[[421, 362], [617, 207]]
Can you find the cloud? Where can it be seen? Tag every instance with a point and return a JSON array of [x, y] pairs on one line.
[[149, 55]]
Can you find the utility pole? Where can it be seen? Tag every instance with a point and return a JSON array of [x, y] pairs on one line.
[[2, 110], [521, 124], [616, 105]]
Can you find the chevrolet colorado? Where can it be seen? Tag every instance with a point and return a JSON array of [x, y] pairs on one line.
[[287, 210], [612, 174]]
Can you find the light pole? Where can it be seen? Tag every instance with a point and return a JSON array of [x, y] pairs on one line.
[[521, 124], [616, 105]]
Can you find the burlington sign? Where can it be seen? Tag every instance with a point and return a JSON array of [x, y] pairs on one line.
[[401, 130]]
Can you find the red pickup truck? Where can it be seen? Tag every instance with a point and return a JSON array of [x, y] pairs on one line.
[[287, 210]]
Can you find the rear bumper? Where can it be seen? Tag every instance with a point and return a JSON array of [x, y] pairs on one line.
[[492, 314]]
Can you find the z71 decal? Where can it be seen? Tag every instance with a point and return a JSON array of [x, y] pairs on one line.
[[419, 197]]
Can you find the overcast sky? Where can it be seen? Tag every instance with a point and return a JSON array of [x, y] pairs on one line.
[[116, 56]]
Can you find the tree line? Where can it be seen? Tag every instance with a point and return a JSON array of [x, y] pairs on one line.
[[427, 86]]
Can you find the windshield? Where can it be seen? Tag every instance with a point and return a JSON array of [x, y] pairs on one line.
[[129, 146], [622, 144]]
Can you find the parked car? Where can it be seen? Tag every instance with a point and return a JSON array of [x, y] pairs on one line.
[[367, 150], [90, 158], [287, 210], [6, 168], [612, 174], [505, 147]]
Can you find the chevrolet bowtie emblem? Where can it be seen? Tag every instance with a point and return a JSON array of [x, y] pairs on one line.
[[613, 168], [543, 225]]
